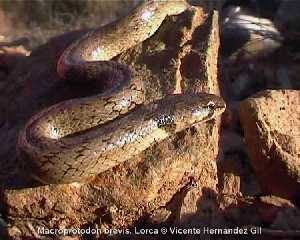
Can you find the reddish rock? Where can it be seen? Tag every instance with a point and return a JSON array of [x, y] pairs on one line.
[[198, 204], [236, 178], [271, 123], [287, 18], [260, 211], [2, 79], [287, 219], [11, 56], [159, 216], [5, 25]]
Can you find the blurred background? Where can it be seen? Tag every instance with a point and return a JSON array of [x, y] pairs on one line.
[[35, 21], [38, 20]]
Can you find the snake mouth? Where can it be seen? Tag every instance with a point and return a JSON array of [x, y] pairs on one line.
[[211, 110], [218, 106], [216, 109]]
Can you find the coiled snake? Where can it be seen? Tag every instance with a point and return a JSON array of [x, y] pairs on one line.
[[83, 137]]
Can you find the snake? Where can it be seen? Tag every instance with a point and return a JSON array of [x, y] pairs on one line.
[[76, 139]]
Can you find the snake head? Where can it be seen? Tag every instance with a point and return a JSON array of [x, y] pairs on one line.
[[195, 108], [211, 107]]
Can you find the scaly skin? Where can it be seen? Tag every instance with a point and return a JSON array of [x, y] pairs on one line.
[[80, 138]]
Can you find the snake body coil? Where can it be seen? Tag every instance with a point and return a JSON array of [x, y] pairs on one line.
[[83, 137]]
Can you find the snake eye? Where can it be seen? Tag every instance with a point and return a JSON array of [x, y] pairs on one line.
[[211, 104], [54, 131]]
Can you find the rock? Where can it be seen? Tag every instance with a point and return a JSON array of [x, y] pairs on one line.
[[271, 125], [230, 118], [293, 72], [287, 219], [159, 216], [208, 6], [246, 35], [11, 56], [231, 142], [236, 179], [122, 195], [269, 207], [5, 24], [2, 84], [287, 18], [229, 184], [259, 211], [198, 204]]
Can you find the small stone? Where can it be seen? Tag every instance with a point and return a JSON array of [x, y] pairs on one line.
[[247, 36], [287, 219], [288, 16], [159, 216], [14, 231], [271, 123]]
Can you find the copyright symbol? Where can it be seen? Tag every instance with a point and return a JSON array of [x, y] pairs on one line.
[[164, 230]]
